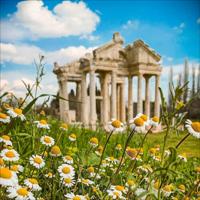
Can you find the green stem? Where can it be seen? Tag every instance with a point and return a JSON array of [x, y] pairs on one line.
[[182, 141]]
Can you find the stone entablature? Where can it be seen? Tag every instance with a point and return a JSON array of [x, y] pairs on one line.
[[113, 64]]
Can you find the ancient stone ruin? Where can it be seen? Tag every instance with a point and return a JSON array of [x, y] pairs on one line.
[[112, 64]]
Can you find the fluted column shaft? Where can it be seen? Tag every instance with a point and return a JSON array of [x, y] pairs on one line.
[[92, 100], [130, 97], [123, 106], [139, 95], [84, 112], [157, 97], [113, 95], [78, 96], [105, 94], [63, 104], [147, 96]]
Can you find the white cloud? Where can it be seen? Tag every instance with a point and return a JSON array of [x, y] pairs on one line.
[[198, 20], [34, 20], [179, 28], [133, 24], [25, 54]]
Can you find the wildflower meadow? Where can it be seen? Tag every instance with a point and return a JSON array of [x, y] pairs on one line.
[[44, 158]]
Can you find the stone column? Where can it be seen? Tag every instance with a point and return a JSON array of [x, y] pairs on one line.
[[139, 95], [147, 96], [157, 97], [63, 104], [130, 97], [84, 112], [123, 106], [92, 100], [105, 94], [113, 95], [78, 96], [118, 101]]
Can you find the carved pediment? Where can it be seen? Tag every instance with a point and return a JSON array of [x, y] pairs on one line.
[[111, 50]]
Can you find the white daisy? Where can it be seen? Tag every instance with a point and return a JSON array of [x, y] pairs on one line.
[[8, 177], [55, 151], [47, 140], [49, 175], [193, 128], [112, 160], [71, 196], [66, 171], [72, 137], [64, 127], [6, 140], [16, 113], [68, 182], [68, 159], [167, 190], [115, 126], [154, 121], [20, 193], [32, 183], [94, 142], [183, 157], [17, 168], [42, 124], [119, 188], [37, 161], [4, 118], [114, 194], [130, 184], [144, 117], [85, 181], [9, 155], [137, 124]]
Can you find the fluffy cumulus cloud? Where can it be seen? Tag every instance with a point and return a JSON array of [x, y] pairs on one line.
[[179, 28], [34, 20], [25, 54]]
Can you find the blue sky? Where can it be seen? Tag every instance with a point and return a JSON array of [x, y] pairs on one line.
[[172, 28]]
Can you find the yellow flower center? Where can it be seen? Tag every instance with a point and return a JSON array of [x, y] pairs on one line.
[[155, 119], [116, 123], [144, 117], [33, 181], [55, 150], [112, 158], [68, 158], [168, 188], [119, 146], [22, 192], [10, 154], [14, 168], [47, 139], [68, 180], [131, 152], [198, 169], [6, 137], [66, 170], [73, 136], [196, 126], [152, 151], [139, 122], [44, 122], [18, 111], [65, 126], [156, 185], [37, 160], [90, 169], [130, 182], [3, 116], [94, 140], [181, 187], [5, 173], [119, 187], [76, 198], [50, 174], [1, 162]]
